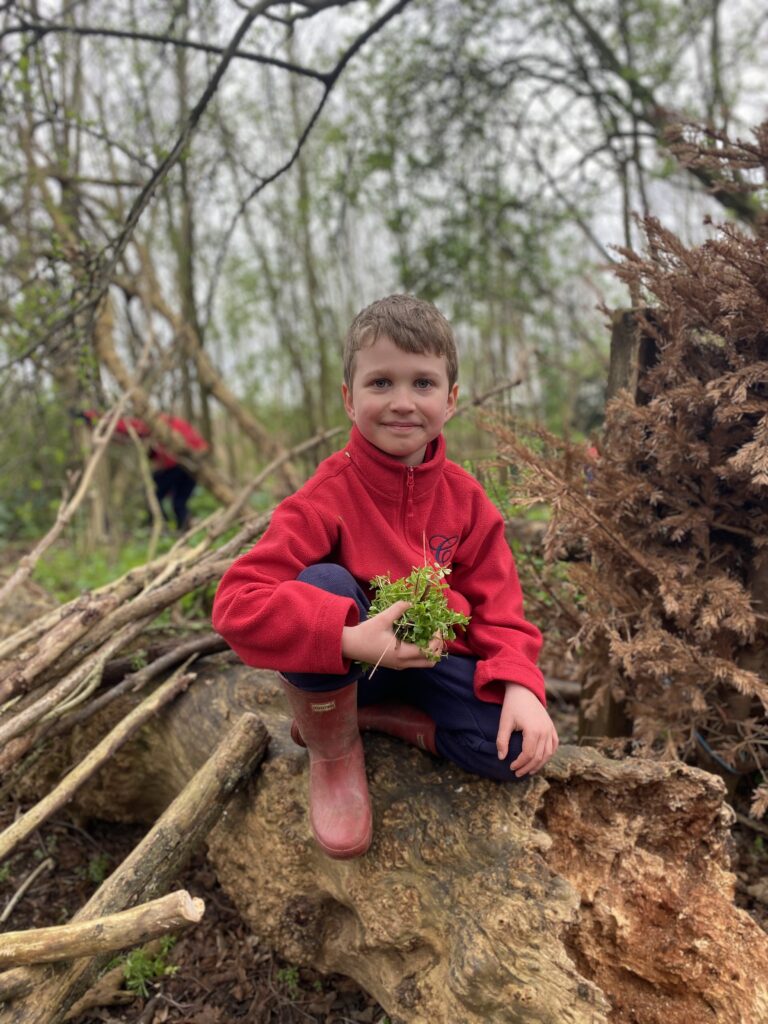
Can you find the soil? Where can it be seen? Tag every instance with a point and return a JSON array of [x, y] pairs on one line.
[[219, 972]]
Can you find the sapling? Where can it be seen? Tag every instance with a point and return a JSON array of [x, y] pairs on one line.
[[428, 615]]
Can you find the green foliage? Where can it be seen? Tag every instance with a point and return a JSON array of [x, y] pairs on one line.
[[98, 868], [289, 978], [65, 573], [140, 967], [429, 612], [5, 872]]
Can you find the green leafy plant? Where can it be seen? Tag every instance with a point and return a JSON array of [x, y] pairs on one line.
[[289, 977], [140, 967], [98, 868], [429, 613]]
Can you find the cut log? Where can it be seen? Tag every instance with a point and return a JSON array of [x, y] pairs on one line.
[[597, 892], [167, 915]]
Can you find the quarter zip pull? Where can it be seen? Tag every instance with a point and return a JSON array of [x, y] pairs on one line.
[[409, 493]]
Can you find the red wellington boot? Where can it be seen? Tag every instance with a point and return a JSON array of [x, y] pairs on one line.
[[339, 806], [400, 720]]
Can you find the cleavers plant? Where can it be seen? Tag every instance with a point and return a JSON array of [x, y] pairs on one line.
[[429, 613]]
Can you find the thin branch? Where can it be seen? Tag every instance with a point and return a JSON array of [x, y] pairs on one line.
[[329, 79], [41, 30], [44, 865]]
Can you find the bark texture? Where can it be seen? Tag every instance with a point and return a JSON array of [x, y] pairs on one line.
[[598, 892]]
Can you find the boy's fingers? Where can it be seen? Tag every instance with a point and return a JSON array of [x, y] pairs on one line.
[[530, 761], [395, 610], [531, 756]]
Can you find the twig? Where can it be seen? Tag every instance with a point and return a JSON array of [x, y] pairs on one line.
[[481, 399], [67, 508], [44, 865], [756, 826], [211, 643], [149, 493], [35, 712]]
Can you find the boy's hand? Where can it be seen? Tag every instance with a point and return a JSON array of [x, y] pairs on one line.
[[523, 711], [375, 639]]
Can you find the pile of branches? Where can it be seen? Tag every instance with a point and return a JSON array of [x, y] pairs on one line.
[[69, 665], [673, 511]]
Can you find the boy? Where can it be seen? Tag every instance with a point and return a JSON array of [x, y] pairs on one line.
[[298, 601]]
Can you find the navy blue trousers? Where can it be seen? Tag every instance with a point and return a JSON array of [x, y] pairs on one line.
[[177, 483], [466, 727]]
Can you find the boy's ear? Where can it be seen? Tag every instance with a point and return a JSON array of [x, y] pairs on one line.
[[453, 398], [346, 394]]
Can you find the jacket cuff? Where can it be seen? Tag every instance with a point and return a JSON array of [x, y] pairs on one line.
[[490, 681], [336, 613]]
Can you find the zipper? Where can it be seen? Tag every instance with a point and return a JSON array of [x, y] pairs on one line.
[[409, 493]]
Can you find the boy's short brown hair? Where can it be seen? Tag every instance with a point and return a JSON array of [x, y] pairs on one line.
[[414, 325]]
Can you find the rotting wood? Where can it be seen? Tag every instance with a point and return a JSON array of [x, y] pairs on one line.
[[167, 915], [143, 874]]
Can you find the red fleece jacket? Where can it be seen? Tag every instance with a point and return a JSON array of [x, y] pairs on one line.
[[372, 515]]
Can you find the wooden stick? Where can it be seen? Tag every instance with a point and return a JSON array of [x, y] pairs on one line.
[[68, 505], [497, 389], [143, 874], [72, 683], [171, 913], [44, 865], [69, 785], [19, 675], [167, 657]]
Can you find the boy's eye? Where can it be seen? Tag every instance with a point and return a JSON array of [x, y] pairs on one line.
[[423, 383], [380, 383]]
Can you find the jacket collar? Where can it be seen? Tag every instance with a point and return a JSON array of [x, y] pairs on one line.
[[387, 476]]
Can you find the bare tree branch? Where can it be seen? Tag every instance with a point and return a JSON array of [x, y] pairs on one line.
[[42, 29]]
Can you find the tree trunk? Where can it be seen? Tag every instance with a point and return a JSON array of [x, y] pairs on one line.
[[598, 891]]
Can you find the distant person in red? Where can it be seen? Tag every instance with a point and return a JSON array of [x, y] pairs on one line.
[[172, 480]]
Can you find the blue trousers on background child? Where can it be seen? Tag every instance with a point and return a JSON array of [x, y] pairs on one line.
[[466, 727]]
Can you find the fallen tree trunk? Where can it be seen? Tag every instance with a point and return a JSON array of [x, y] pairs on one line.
[[596, 892]]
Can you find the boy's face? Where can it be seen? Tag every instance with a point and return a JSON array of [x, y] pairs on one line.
[[399, 400]]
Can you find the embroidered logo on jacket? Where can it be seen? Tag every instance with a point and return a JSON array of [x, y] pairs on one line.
[[443, 547]]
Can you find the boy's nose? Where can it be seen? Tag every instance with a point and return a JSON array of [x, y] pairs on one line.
[[401, 398]]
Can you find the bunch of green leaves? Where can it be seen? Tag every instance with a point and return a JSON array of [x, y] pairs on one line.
[[141, 967], [429, 613]]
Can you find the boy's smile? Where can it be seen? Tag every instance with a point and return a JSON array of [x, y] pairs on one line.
[[399, 400]]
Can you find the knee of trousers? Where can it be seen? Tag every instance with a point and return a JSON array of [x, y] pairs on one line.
[[478, 755], [330, 577]]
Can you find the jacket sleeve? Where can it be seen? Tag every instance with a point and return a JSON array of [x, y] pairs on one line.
[[505, 643], [271, 619]]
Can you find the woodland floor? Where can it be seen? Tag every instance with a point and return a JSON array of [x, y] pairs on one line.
[[222, 972]]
